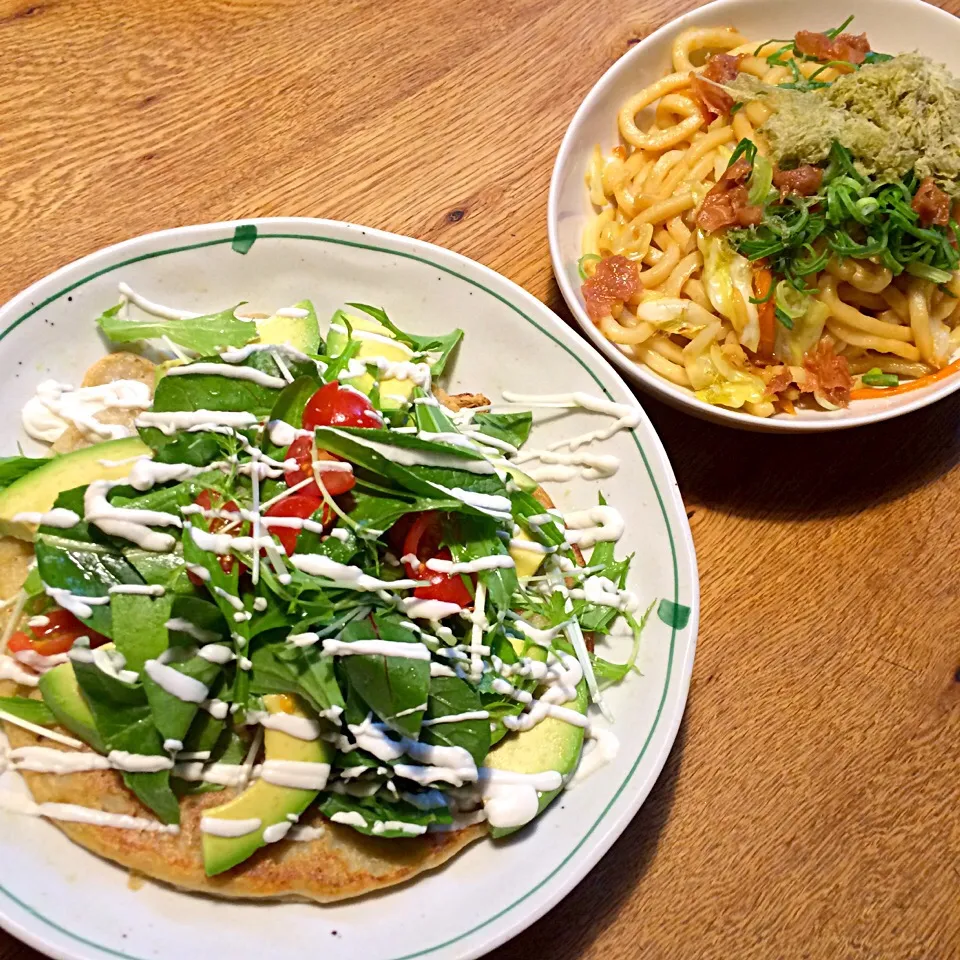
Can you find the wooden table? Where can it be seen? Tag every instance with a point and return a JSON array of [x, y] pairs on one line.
[[809, 807]]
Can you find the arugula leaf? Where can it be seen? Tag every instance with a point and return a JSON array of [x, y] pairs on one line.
[[124, 722], [431, 417], [378, 809], [13, 468], [393, 687], [513, 428], [138, 627], [206, 334], [450, 696], [24, 708], [476, 537], [439, 347]]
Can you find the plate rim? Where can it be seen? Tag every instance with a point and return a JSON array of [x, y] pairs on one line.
[[558, 883], [648, 381]]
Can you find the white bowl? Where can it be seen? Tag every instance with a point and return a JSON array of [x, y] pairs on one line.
[[68, 903], [893, 26]]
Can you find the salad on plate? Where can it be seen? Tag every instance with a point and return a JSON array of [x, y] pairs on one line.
[[286, 619]]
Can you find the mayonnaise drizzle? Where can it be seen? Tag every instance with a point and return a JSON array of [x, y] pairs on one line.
[[229, 371], [382, 648], [72, 813], [58, 406]]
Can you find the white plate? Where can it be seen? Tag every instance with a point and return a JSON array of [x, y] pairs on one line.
[[893, 26], [70, 904]]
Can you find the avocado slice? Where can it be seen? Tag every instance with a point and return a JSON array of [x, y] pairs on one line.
[[527, 561], [301, 333], [394, 394], [266, 802], [61, 693], [37, 491], [551, 745]]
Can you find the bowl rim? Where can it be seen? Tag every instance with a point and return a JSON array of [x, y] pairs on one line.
[[610, 823], [675, 396]]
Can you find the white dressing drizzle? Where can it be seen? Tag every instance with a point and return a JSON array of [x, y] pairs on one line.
[[177, 684], [127, 522], [58, 406], [57, 517], [220, 827], [627, 416], [382, 648], [80, 607], [500, 561], [169, 422], [296, 774], [352, 578], [562, 467], [72, 813], [586, 528], [231, 372], [182, 625]]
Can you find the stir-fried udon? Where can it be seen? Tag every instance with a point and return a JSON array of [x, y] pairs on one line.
[[777, 226]]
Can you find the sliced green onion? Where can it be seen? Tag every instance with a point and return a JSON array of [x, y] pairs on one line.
[[867, 206], [877, 378], [745, 148], [761, 180], [836, 31], [874, 57], [785, 319], [585, 259], [925, 272], [791, 301], [737, 107]]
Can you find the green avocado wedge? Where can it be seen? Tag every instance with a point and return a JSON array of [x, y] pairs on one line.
[[272, 808], [300, 332], [61, 693], [38, 490], [551, 745]]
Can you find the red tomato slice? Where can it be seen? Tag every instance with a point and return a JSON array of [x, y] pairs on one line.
[[336, 406], [299, 506], [301, 450], [423, 542], [58, 636], [335, 481], [212, 500]]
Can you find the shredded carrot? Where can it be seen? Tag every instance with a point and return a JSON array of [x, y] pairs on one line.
[[872, 393], [787, 404], [762, 282]]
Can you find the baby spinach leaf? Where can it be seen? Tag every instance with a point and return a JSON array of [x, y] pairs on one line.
[[379, 809], [205, 334], [431, 482], [85, 570], [172, 715], [139, 630], [393, 687], [13, 468], [124, 722], [374, 515], [307, 673], [33, 711], [450, 696]]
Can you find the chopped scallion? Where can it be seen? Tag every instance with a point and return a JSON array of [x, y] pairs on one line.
[[877, 378], [583, 261]]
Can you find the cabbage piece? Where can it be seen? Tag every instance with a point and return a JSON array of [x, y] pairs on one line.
[[726, 273], [674, 315], [724, 384], [790, 345]]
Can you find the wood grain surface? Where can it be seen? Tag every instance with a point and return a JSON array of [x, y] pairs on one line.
[[809, 807]]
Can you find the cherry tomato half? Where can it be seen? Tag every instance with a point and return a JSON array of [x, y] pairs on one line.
[[336, 406], [335, 481], [423, 542], [212, 500], [57, 636], [298, 506]]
